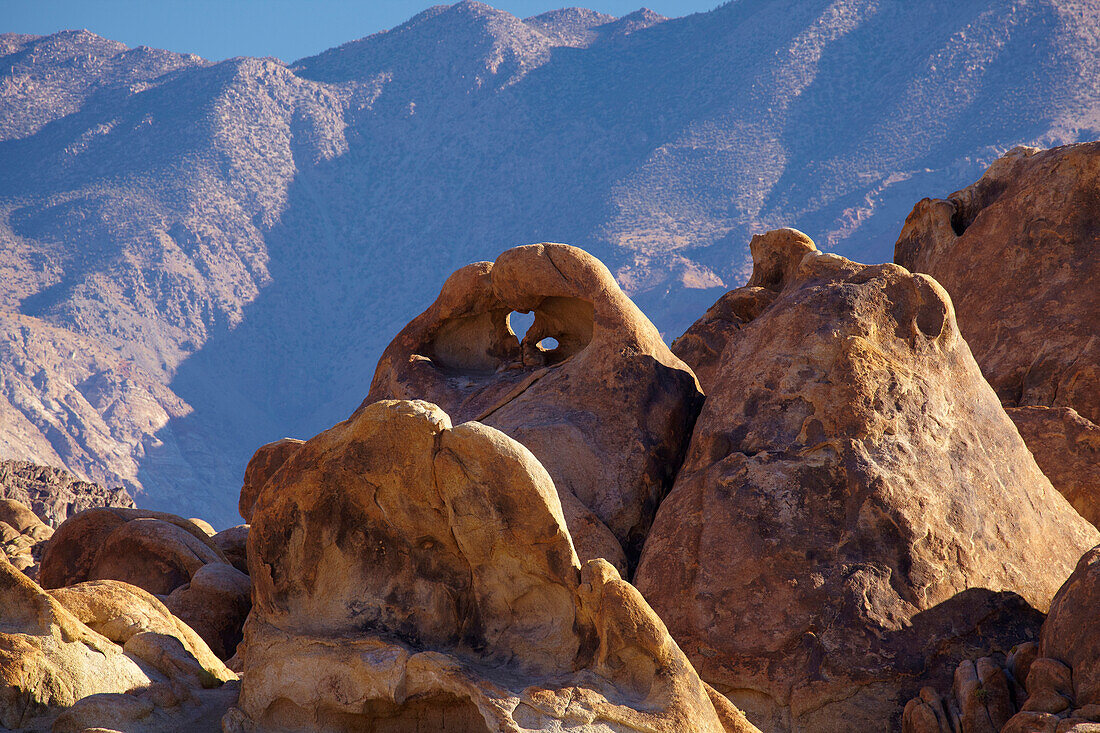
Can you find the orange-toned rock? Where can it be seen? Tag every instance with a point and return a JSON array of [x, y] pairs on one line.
[[411, 575], [23, 536], [855, 508], [215, 603], [101, 655], [607, 409], [233, 544], [1019, 252], [161, 553], [1067, 448], [1071, 633], [152, 550], [263, 465]]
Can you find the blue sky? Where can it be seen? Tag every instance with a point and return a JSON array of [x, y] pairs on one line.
[[288, 29]]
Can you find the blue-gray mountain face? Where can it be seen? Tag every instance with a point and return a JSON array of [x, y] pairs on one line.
[[198, 258]]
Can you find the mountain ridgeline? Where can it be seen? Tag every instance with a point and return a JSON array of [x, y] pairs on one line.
[[201, 257]]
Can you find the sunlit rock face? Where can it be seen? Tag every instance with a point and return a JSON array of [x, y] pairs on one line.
[[590, 388], [855, 508], [418, 575], [1019, 252]]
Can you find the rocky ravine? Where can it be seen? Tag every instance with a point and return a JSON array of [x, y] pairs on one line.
[[199, 258]]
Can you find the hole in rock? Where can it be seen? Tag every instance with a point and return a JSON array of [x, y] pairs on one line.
[[520, 322], [548, 344]]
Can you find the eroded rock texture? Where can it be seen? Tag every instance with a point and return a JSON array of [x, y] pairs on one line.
[[53, 494], [1063, 684], [102, 655], [420, 576], [161, 553], [1019, 252], [607, 410], [1067, 448], [22, 536], [855, 510], [262, 466]]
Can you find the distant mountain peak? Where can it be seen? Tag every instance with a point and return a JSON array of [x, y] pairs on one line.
[[574, 27]]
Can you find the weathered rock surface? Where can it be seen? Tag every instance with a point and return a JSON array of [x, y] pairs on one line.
[[420, 576], [161, 553], [1019, 252], [1063, 684], [607, 409], [263, 465], [1071, 633], [22, 536], [233, 543], [1067, 448], [54, 494], [102, 655], [215, 604], [856, 510]]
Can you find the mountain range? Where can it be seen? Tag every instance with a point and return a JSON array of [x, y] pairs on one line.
[[200, 257]]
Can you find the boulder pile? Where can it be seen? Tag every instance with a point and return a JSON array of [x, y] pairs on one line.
[[552, 529], [168, 556]]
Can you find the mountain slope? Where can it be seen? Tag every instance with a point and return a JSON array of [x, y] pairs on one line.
[[230, 246]]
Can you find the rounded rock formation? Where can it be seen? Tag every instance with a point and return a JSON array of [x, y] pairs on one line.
[[264, 463], [101, 655], [855, 508], [590, 389], [420, 576], [161, 553], [1019, 252]]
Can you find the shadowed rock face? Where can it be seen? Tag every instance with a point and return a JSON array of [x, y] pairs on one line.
[[421, 574], [1063, 677], [1067, 448], [855, 507], [1019, 252], [607, 409], [1071, 633]]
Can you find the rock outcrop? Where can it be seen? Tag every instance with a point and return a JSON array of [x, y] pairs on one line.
[[102, 655], [590, 389], [855, 508], [420, 576], [1061, 673], [263, 465], [1067, 448], [22, 536], [1063, 684], [53, 494], [163, 554], [1019, 252], [233, 543]]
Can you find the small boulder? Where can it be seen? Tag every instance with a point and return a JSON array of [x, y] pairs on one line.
[[264, 463]]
